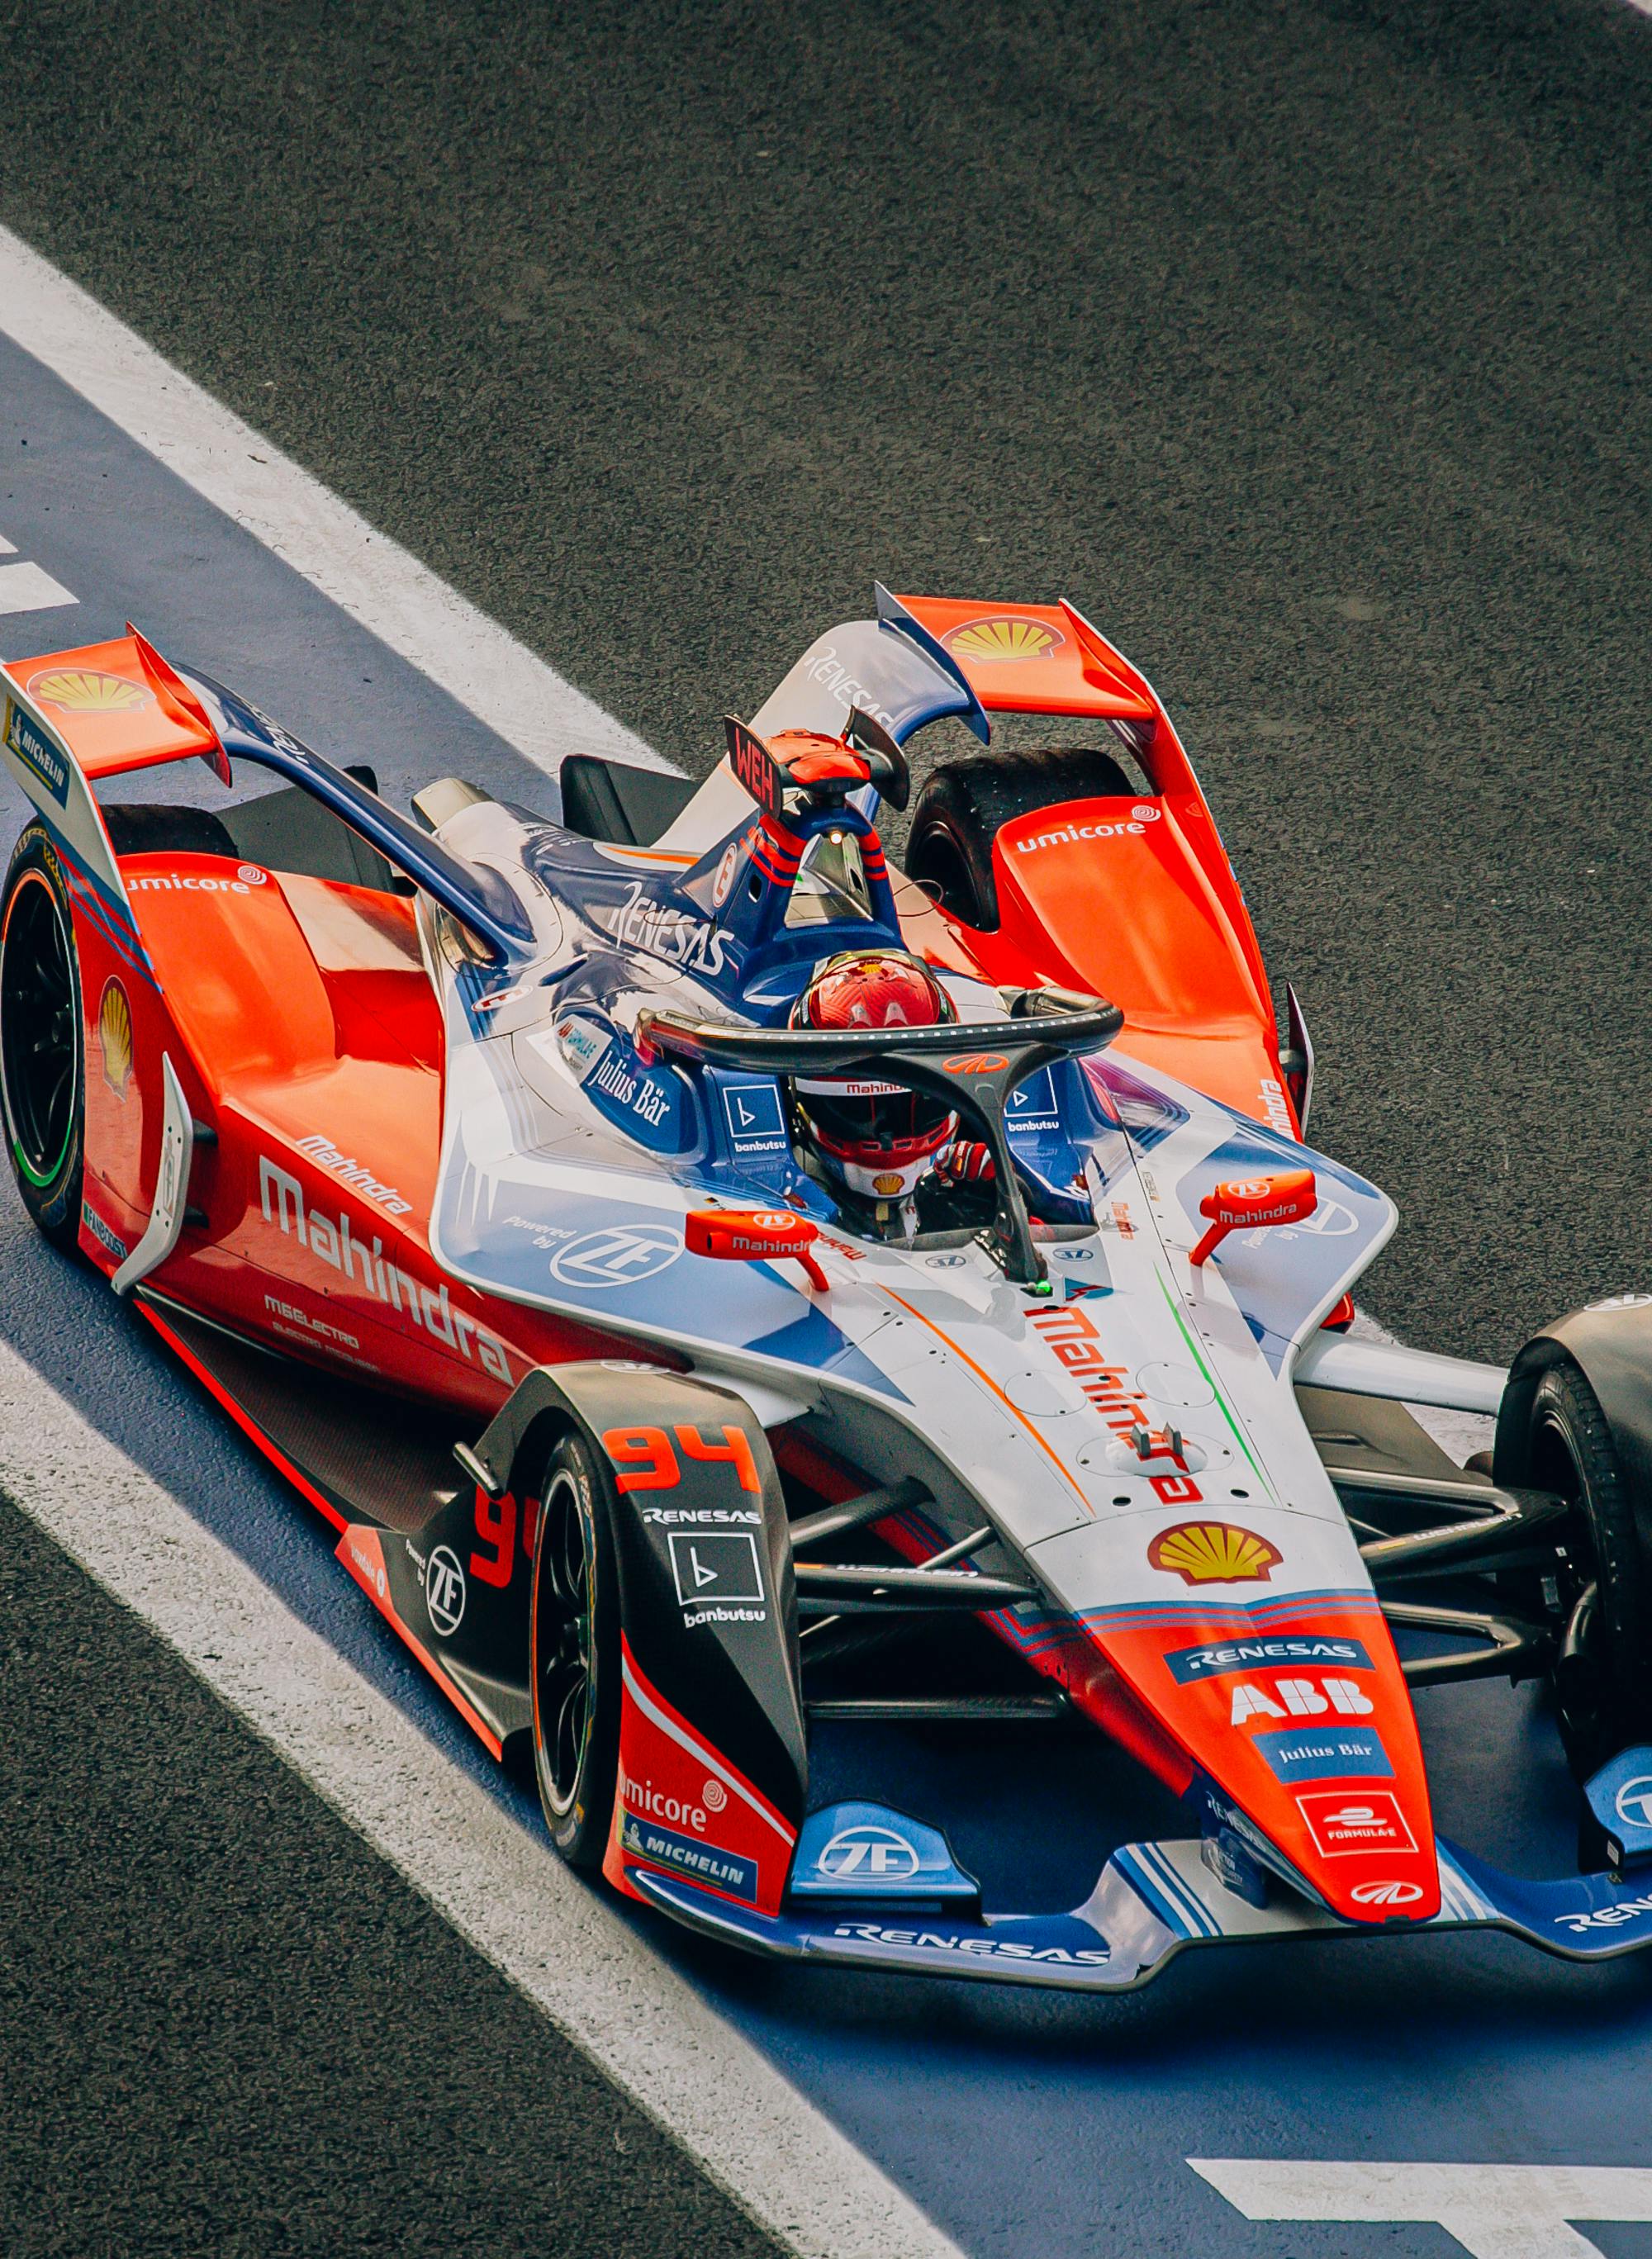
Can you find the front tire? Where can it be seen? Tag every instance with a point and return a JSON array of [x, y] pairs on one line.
[[42, 1054], [1603, 1680], [575, 1653], [964, 805]]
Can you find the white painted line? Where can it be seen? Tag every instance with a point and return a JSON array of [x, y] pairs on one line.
[[560, 1942], [360, 570], [26, 589], [1495, 2212], [7, 548]]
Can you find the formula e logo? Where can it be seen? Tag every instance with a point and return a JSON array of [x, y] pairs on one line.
[[444, 1592], [1635, 1801], [619, 1257], [1386, 1893], [869, 1853]]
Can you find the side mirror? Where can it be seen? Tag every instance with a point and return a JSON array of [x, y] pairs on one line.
[[754, 1235], [1290, 1197]]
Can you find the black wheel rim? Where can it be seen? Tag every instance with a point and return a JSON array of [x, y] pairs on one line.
[[563, 1643], [40, 1031], [943, 874], [1580, 1692]]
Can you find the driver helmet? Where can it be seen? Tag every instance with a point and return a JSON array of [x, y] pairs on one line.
[[877, 1138]]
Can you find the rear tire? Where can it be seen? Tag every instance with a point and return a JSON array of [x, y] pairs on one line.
[[42, 1053], [575, 1653], [964, 805], [1603, 1689]]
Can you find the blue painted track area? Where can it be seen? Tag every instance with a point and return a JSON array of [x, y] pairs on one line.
[[1026, 2125]]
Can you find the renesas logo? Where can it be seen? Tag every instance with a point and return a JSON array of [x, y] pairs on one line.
[[975, 1947], [834, 677], [329, 1239], [1606, 1917], [1186, 1664], [1071, 835], [658, 931]]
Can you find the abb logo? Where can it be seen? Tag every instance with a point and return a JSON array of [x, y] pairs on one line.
[[1300, 1698]]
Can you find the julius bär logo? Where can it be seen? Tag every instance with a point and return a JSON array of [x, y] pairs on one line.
[[1214, 1553]]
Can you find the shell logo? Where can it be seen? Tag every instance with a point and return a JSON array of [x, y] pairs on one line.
[[1004, 640], [114, 1035], [87, 690], [1214, 1553]]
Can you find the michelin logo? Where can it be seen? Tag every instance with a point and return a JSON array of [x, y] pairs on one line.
[[37, 753], [723, 1870]]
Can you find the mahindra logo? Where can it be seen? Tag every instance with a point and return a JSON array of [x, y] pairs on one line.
[[1386, 1893], [976, 1063]]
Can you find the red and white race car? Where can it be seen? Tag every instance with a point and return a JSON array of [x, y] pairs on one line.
[[711, 1280]]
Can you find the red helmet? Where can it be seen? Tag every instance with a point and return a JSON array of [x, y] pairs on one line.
[[879, 1137]]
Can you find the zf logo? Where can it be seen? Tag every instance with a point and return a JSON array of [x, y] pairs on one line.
[[444, 1592], [619, 1257], [870, 1854]]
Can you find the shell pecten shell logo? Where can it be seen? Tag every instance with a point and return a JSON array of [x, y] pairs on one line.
[[88, 690], [1214, 1553], [114, 1036], [1004, 639]]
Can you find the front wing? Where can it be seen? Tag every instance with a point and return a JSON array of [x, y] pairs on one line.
[[1152, 1901]]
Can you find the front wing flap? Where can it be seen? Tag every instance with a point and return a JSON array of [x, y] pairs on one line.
[[1153, 1900]]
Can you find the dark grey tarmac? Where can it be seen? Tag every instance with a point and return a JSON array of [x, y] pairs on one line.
[[1305, 347]]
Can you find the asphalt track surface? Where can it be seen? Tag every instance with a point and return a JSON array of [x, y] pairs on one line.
[[1306, 349]]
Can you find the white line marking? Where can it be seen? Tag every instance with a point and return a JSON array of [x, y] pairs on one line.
[[7, 548], [26, 589], [363, 571], [563, 1945], [1495, 2212]]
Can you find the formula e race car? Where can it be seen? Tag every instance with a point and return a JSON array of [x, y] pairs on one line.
[[713, 1282]]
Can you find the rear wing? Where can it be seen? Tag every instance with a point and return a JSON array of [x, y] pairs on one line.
[[111, 708]]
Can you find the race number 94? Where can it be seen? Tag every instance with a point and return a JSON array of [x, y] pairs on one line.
[[647, 1458]]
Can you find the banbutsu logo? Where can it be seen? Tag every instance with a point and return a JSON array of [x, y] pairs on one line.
[[638, 922]]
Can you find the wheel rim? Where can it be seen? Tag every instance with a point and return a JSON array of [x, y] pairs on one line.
[[944, 868], [40, 1031], [1578, 1690], [562, 1605]]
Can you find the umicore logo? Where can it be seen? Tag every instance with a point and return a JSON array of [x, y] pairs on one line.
[[331, 1241]]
